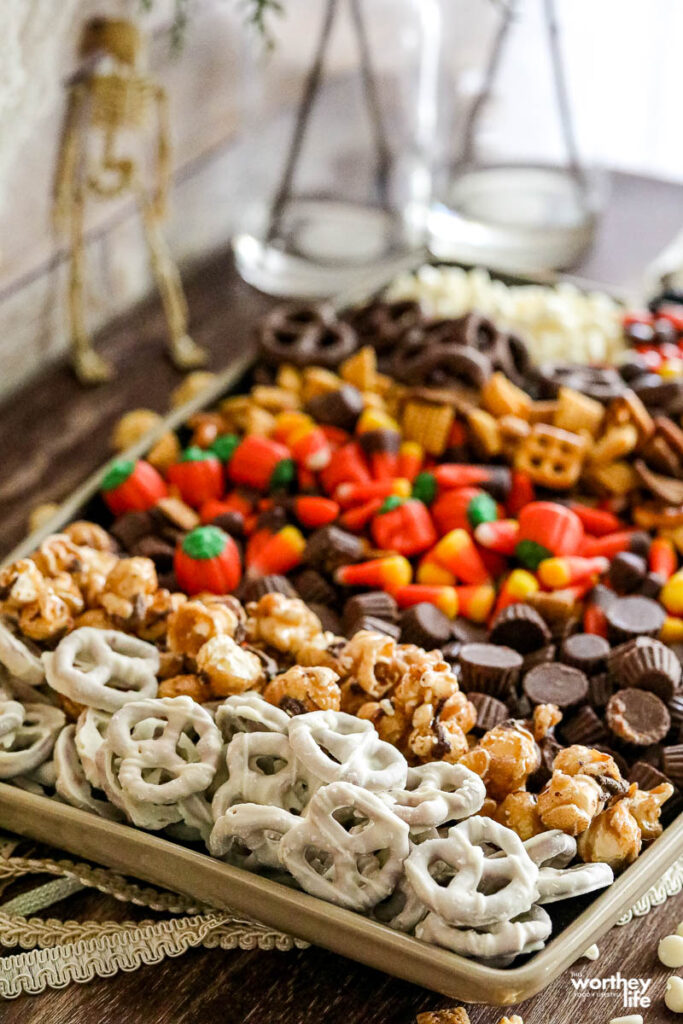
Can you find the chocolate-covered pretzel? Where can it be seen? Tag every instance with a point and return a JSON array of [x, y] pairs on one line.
[[305, 336]]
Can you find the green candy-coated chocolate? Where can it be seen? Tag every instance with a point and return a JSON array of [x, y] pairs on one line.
[[424, 488], [482, 509], [224, 446], [283, 475], [531, 554]]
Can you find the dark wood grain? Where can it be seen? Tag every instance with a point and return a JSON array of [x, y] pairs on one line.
[[52, 435]]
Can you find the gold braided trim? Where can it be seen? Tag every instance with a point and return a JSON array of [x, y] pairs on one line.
[[103, 880]]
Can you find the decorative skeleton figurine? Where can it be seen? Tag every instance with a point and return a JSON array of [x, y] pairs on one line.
[[111, 103]]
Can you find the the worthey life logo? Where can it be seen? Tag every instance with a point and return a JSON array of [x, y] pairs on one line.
[[634, 990]]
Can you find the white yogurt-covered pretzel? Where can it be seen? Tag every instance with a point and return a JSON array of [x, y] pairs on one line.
[[102, 668], [168, 765], [11, 717], [438, 792], [507, 938], [336, 747], [554, 849], [249, 712], [262, 769], [91, 729], [349, 849], [71, 783], [249, 835], [32, 741], [18, 658], [480, 889], [402, 910], [564, 883]]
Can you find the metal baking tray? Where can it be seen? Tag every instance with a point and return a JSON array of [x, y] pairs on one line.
[[577, 923]]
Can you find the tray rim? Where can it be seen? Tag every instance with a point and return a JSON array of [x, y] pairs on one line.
[[42, 818], [160, 861]]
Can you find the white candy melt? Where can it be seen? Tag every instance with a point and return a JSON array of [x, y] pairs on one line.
[[633, 1018], [557, 323], [670, 950], [592, 953], [673, 997]]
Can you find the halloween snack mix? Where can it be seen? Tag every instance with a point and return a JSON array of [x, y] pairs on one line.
[[401, 625]]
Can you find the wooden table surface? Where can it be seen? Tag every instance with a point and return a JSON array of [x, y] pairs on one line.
[[53, 434]]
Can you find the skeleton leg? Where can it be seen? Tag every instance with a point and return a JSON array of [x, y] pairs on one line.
[[185, 353], [89, 367]]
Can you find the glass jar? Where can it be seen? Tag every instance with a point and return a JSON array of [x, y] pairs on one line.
[[513, 186], [339, 127]]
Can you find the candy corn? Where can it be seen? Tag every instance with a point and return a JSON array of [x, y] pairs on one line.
[[560, 572], [662, 557], [444, 598], [458, 553], [501, 536], [384, 573], [475, 602], [280, 553]]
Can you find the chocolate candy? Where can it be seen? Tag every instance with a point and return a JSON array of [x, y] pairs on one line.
[[329, 548], [376, 603], [675, 706], [647, 664], [672, 763], [652, 585], [627, 572], [230, 522], [489, 668], [131, 527], [330, 620], [490, 710], [339, 408], [585, 651], [584, 728], [555, 683], [600, 689], [311, 586], [370, 622], [425, 625], [380, 441], [646, 775], [629, 617], [254, 589], [637, 717], [539, 657], [520, 627]]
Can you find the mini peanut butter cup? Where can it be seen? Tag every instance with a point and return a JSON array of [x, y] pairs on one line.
[[539, 657], [627, 572], [375, 625], [489, 668], [377, 603], [647, 664], [425, 625], [258, 586], [520, 627], [646, 775], [331, 622], [675, 706], [329, 548], [490, 710], [600, 689], [555, 683], [630, 617], [339, 408], [585, 651], [672, 763], [637, 717], [313, 587], [584, 727]]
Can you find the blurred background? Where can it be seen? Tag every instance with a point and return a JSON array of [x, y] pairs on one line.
[[234, 100]]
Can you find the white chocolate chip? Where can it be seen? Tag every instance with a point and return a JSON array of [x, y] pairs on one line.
[[673, 997], [670, 950], [632, 1018], [592, 953]]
